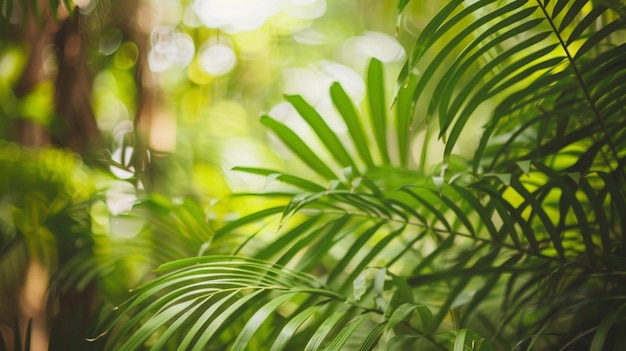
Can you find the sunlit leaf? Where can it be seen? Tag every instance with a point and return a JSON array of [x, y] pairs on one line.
[[359, 286], [370, 342], [377, 105], [344, 334], [325, 134], [299, 147], [299, 182], [320, 335], [259, 317], [348, 113], [288, 331]]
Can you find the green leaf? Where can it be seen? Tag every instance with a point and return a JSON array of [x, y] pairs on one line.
[[379, 288], [377, 251], [480, 296], [460, 340], [476, 48], [453, 74], [7, 11], [325, 134], [604, 328], [597, 203], [458, 286], [201, 322], [404, 115], [372, 339], [297, 203], [259, 317], [288, 331], [174, 327], [447, 118], [68, 6], [288, 239], [153, 324], [400, 314], [574, 11], [359, 286], [327, 326], [165, 302], [301, 183], [251, 218], [515, 214], [348, 113], [428, 35], [361, 240], [398, 341], [441, 248], [345, 333], [460, 213], [485, 215], [507, 78], [558, 7], [405, 310], [323, 239], [585, 23], [231, 312], [401, 5], [378, 109], [296, 145], [429, 206], [598, 36]]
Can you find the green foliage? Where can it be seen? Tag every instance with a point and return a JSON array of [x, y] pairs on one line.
[[518, 244], [479, 209], [43, 194], [44, 197]]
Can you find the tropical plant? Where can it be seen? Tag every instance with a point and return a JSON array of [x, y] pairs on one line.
[[516, 244]]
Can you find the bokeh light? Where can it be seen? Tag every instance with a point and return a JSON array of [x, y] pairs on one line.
[[234, 16], [306, 9], [216, 58], [170, 48], [120, 197]]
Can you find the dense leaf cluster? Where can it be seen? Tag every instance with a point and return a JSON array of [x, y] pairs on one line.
[[516, 245]]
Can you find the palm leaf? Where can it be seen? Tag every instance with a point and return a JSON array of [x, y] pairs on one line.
[[355, 128], [216, 282], [378, 107], [325, 134], [299, 147]]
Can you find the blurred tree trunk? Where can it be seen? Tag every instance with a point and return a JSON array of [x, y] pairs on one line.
[[39, 34], [74, 124], [68, 40], [77, 127]]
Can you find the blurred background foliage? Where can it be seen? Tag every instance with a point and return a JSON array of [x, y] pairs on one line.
[[131, 139], [121, 121]]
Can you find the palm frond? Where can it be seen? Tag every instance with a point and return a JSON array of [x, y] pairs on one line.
[[210, 292]]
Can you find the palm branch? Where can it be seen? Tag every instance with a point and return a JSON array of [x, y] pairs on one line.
[[518, 245]]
